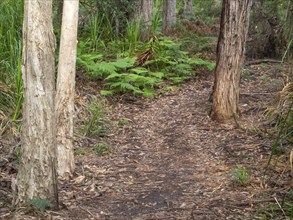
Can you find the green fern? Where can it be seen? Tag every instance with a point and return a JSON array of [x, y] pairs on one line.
[[124, 62], [104, 68], [197, 61], [158, 75], [140, 70], [123, 86], [168, 64]]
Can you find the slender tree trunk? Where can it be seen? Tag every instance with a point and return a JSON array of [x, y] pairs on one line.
[[36, 176], [188, 8], [169, 15], [234, 26], [65, 88]]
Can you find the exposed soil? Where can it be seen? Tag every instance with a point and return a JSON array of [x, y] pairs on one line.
[[169, 160]]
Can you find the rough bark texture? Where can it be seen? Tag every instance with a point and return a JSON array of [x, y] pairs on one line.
[[36, 175], [66, 88], [144, 14], [188, 8], [169, 15], [234, 26]]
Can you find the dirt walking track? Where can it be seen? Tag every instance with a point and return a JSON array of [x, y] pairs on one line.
[[170, 161]]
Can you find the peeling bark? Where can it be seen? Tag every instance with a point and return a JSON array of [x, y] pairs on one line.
[[36, 176]]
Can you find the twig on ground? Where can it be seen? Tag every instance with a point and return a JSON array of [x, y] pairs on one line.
[[281, 208]]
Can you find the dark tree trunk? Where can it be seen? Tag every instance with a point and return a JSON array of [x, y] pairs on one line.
[[230, 50]]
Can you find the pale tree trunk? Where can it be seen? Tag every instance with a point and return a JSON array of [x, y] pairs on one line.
[[231, 44], [36, 176], [144, 12], [144, 15], [66, 89], [169, 15], [188, 8]]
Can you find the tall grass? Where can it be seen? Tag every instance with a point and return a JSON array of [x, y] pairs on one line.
[[132, 36], [11, 14]]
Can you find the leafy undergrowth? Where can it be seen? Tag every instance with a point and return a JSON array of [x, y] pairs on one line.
[[158, 64]]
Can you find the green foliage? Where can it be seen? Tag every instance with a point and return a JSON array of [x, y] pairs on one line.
[[132, 36], [280, 209], [93, 123], [207, 11], [240, 176], [101, 148], [201, 44], [164, 63], [123, 121], [40, 204], [177, 63], [156, 16], [79, 152], [105, 20], [10, 58]]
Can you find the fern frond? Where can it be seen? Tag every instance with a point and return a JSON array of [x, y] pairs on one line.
[[159, 75], [105, 67], [113, 75], [123, 86], [140, 70], [124, 63], [90, 57], [197, 61]]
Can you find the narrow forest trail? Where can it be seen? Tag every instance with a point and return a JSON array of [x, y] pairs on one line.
[[170, 161]]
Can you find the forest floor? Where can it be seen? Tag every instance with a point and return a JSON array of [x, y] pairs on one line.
[[169, 160]]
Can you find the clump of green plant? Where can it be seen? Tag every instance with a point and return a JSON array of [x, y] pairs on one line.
[[121, 76], [105, 20], [132, 36], [101, 148], [123, 121], [240, 176], [94, 124], [10, 56], [280, 209], [176, 63], [39, 204], [160, 62], [79, 152]]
